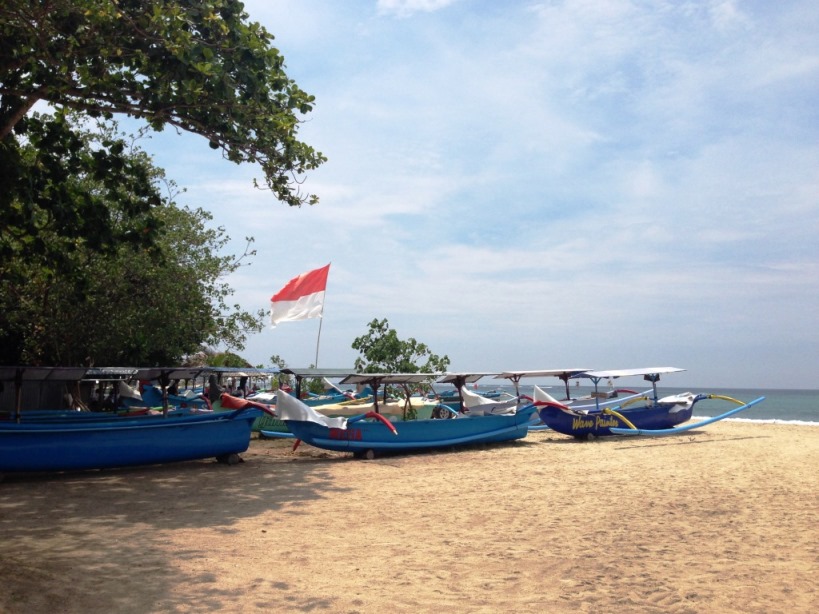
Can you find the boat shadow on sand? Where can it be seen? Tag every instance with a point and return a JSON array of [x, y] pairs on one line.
[[101, 539]]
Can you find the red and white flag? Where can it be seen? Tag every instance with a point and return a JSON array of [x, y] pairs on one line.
[[301, 298]]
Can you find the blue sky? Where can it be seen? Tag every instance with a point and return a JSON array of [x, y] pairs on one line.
[[537, 185]]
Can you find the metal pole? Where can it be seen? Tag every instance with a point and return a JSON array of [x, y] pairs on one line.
[[318, 338]]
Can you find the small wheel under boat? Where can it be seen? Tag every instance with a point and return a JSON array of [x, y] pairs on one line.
[[441, 413], [229, 459], [364, 454]]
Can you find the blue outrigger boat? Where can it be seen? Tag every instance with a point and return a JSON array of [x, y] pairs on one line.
[[143, 440], [66, 443], [638, 414], [369, 434]]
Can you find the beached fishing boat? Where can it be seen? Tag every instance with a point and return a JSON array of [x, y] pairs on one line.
[[642, 412], [143, 440], [57, 445], [370, 433]]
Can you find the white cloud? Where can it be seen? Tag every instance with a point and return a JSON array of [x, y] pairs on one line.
[[406, 8]]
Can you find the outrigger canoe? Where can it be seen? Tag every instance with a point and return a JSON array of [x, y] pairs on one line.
[[369, 434], [69, 444], [639, 413], [125, 442]]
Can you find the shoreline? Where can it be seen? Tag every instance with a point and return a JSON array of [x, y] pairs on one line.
[[722, 519]]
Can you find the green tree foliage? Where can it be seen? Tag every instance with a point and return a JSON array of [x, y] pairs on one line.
[[383, 352], [48, 207], [201, 67], [126, 304]]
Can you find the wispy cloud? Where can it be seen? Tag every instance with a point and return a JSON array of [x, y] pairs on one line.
[[406, 8]]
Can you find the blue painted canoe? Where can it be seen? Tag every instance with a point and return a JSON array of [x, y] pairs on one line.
[[363, 436], [142, 440], [597, 423], [599, 419], [67, 415]]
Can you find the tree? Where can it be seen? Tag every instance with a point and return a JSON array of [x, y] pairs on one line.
[[126, 304], [383, 352], [201, 67], [282, 380]]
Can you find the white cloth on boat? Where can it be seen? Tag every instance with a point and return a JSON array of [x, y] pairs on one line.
[[539, 394], [679, 401], [289, 407], [124, 390], [481, 406]]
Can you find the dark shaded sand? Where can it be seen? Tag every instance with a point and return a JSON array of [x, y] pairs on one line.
[[725, 519]]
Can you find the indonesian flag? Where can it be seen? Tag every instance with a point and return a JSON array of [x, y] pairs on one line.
[[301, 298]]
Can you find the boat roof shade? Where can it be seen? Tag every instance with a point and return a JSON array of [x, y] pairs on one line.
[[317, 372], [541, 373], [388, 378], [613, 373], [109, 373], [68, 374], [242, 371], [467, 378], [149, 373]]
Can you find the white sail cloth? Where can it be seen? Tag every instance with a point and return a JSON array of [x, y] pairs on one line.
[[540, 395], [289, 407], [481, 406]]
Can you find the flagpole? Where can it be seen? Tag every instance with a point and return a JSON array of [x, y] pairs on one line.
[[321, 319], [318, 338]]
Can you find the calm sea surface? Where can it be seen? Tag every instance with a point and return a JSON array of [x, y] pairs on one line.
[[799, 406]]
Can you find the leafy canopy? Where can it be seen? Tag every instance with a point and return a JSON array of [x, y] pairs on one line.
[[126, 304], [383, 352], [199, 66]]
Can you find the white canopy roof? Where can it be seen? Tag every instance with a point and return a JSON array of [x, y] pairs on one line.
[[630, 372], [388, 378], [541, 373], [461, 378]]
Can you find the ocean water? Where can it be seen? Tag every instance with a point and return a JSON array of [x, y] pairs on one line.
[[793, 406], [799, 406]]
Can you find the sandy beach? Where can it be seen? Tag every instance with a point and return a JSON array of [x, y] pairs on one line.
[[725, 519]]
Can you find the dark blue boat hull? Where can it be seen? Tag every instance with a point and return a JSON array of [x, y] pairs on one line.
[[142, 440], [599, 424], [414, 434]]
